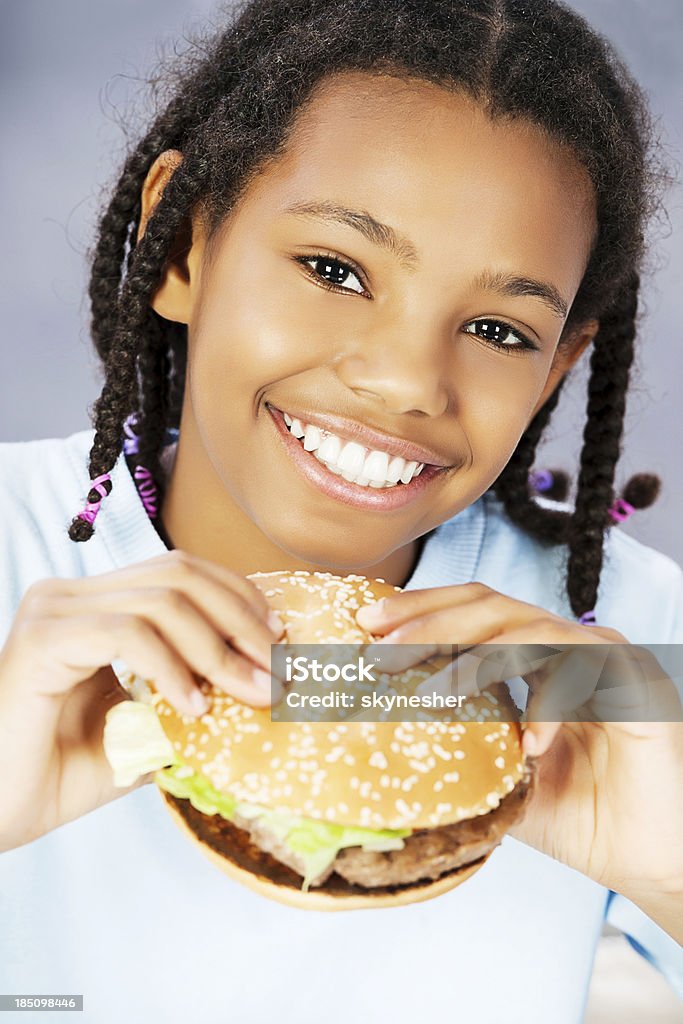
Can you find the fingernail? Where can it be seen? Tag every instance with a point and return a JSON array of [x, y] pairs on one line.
[[198, 702], [529, 744], [275, 623]]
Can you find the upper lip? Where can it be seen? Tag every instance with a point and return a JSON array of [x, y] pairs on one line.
[[367, 436]]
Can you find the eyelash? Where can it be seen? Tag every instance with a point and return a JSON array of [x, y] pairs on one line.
[[317, 278]]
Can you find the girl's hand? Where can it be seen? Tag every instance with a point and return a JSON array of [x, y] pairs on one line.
[[170, 619], [607, 800]]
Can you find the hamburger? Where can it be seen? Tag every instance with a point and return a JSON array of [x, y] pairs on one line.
[[337, 814]]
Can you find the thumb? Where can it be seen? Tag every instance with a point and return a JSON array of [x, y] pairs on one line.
[[538, 737]]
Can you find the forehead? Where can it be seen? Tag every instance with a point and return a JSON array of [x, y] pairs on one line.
[[415, 152]]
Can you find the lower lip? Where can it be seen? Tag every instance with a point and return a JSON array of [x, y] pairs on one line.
[[373, 498]]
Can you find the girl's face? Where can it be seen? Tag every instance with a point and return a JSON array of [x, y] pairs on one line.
[[387, 308]]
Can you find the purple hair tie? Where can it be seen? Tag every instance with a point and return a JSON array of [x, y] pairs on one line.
[[588, 619], [541, 479], [621, 510], [131, 443], [93, 507], [147, 490]]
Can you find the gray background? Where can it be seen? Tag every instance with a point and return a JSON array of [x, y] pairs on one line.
[[69, 68]]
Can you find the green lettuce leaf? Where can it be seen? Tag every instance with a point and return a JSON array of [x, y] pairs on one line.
[[317, 843]]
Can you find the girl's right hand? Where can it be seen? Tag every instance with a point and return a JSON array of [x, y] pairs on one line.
[[170, 619]]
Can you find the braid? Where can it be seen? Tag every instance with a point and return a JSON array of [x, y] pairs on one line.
[[118, 227], [595, 507], [512, 485], [135, 317], [610, 364]]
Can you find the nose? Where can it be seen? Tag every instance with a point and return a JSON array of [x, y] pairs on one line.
[[406, 375]]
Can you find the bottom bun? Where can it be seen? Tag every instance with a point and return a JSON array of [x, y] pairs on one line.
[[260, 872]]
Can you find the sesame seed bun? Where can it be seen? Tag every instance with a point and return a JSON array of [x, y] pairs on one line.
[[375, 774]]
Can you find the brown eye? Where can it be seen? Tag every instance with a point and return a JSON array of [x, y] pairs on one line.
[[498, 334], [332, 273]]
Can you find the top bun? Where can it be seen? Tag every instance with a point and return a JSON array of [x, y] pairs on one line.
[[375, 774]]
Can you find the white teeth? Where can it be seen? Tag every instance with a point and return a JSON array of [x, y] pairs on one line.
[[407, 474], [396, 467], [330, 449], [351, 460], [375, 468], [312, 438]]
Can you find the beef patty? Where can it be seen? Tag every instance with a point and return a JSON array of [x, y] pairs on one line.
[[427, 854]]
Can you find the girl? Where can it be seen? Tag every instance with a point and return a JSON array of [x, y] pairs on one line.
[[400, 224]]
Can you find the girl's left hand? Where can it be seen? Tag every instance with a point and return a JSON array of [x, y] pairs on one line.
[[607, 800]]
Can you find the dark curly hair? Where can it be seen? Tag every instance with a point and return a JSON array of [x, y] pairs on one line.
[[233, 103]]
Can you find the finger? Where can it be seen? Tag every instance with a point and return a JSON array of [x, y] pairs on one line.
[[390, 612], [538, 737], [82, 644], [224, 610], [179, 568], [197, 641], [399, 657], [482, 619]]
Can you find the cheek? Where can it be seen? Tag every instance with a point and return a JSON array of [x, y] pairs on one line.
[[252, 325], [495, 396]]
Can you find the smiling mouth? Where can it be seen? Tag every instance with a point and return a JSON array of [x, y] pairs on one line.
[[342, 484]]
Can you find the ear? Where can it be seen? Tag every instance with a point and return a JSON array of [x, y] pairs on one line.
[[566, 357], [173, 298]]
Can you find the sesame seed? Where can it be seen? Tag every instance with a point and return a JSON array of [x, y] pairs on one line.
[[439, 750]]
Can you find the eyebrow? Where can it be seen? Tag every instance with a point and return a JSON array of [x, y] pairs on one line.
[[402, 248]]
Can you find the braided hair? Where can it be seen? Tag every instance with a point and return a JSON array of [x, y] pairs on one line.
[[234, 99]]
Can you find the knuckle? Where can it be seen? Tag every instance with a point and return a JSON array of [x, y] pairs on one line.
[[481, 590], [180, 560], [240, 605], [614, 635], [40, 592], [126, 623], [166, 599]]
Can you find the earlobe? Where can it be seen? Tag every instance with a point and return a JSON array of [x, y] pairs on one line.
[[173, 298]]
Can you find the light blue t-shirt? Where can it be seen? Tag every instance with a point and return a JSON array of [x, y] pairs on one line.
[[120, 907]]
